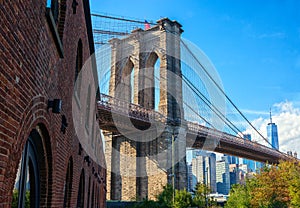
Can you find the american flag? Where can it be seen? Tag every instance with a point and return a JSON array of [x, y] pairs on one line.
[[147, 25]]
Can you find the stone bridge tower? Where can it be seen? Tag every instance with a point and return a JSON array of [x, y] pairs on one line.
[[143, 163]]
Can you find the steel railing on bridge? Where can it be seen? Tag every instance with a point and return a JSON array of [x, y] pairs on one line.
[[131, 110], [117, 106]]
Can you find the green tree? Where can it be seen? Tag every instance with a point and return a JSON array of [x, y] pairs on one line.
[[14, 203], [201, 192], [273, 187], [147, 204], [240, 196], [293, 181], [165, 198], [183, 199]]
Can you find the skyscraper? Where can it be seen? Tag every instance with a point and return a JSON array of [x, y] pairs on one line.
[[190, 178], [222, 176], [234, 174], [272, 134], [204, 170], [232, 159], [250, 163]]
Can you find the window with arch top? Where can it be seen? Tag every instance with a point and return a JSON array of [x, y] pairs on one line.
[[31, 187], [78, 66], [152, 85], [68, 184], [81, 190]]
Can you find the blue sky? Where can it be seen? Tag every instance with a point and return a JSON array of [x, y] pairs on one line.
[[254, 45]]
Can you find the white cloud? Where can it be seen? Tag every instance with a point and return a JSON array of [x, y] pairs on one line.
[[287, 118], [254, 112], [278, 35]]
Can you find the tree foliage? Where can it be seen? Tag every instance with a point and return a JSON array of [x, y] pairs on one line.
[[14, 203], [201, 196], [273, 187], [165, 198], [182, 199], [240, 196]]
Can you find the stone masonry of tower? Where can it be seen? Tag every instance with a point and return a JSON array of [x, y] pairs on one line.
[[140, 166]]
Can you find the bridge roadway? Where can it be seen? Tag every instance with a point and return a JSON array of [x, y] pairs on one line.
[[114, 114]]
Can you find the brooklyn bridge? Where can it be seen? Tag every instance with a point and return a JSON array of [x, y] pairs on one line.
[[67, 143], [159, 95]]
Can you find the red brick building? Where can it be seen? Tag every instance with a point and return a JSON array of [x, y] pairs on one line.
[[43, 46]]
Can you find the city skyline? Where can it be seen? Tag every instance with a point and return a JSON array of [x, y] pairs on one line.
[[268, 56], [219, 174]]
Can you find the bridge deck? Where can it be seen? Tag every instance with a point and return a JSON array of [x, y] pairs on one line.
[[114, 116]]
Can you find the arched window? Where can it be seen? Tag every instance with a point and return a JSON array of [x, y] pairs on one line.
[[88, 108], [89, 192], [98, 196], [125, 90], [81, 190], [78, 67], [27, 186], [156, 84], [78, 59], [68, 184], [132, 85], [152, 83], [93, 196]]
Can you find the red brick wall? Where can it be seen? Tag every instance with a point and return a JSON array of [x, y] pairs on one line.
[[31, 72]]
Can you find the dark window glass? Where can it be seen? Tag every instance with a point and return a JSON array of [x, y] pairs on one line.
[[68, 184], [80, 196], [27, 188], [78, 67]]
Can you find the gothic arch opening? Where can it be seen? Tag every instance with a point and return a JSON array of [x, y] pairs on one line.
[[152, 81], [125, 90]]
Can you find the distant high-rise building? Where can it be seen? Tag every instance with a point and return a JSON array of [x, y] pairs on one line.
[[250, 163], [190, 178], [258, 166], [232, 159], [211, 174], [234, 174], [243, 170], [223, 176], [272, 134], [204, 170]]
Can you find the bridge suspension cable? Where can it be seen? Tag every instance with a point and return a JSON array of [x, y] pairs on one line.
[[212, 106], [209, 104], [222, 91]]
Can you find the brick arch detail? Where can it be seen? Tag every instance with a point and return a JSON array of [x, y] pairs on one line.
[[34, 118]]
